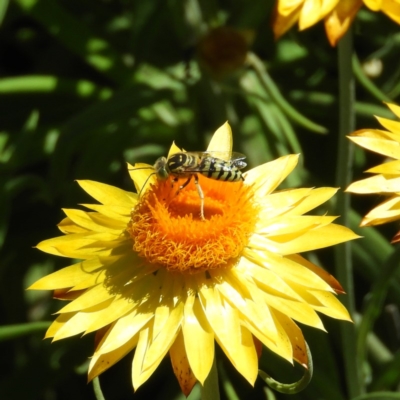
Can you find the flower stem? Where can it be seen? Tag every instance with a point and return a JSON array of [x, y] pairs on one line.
[[9, 332], [344, 269], [97, 389], [210, 389], [374, 304], [291, 388], [269, 85]]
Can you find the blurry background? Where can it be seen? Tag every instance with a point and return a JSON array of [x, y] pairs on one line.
[[88, 85]]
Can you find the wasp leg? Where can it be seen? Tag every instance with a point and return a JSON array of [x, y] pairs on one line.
[[199, 191], [173, 182], [185, 184], [201, 195]]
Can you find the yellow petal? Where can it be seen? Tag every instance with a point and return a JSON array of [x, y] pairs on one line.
[[92, 297], [174, 149], [330, 305], [315, 198], [181, 366], [285, 19], [247, 299], [161, 315], [375, 184], [95, 222], [394, 108], [268, 176], [287, 228], [67, 226], [123, 330], [200, 352], [166, 295], [300, 312], [235, 341], [374, 5], [138, 375], [388, 168], [68, 276], [163, 341], [100, 362], [295, 336], [143, 175], [286, 269], [320, 237], [129, 297], [371, 133], [294, 201], [282, 202], [74, 323], [390, 125], [263, 277], [387, 211], [119, 213], [150, 351], [285, 7], [326, 276], [84, 246], [314, 11], [222, 139], [338, 21], [57, 324], [117, 309], [245, 360], [280, 345], [392, 9], [89, 280], [377, 141], [107, 194]]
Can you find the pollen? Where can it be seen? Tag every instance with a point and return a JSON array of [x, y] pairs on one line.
[[167, 230]]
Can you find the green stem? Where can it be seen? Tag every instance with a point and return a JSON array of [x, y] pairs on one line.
[[227, 386], [97, 389], [273, 91], [3, 9], [291, 388], [9, 332], [210, 389], [366, 82], [344, 269], [373, 308]]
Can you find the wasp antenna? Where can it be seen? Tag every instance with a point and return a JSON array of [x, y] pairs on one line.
[[141, 190], [134, 169]]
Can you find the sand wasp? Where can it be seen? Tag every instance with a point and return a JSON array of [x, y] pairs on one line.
[[216, 165]]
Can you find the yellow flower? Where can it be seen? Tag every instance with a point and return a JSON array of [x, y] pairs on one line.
[[337, 14], [387, 178], [158, 278]]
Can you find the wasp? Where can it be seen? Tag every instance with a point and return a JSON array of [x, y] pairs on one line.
[[225, 166]]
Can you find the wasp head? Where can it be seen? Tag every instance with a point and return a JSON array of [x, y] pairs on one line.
[[161, 169]]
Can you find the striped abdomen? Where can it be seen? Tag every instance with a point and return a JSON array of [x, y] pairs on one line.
[[218, 169], [185, 164]]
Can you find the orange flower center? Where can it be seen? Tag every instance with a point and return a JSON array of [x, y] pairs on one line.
[[166, 227]]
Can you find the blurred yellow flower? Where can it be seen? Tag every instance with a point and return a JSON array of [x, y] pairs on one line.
[[337, 14], [387, 178], [158, 278]]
